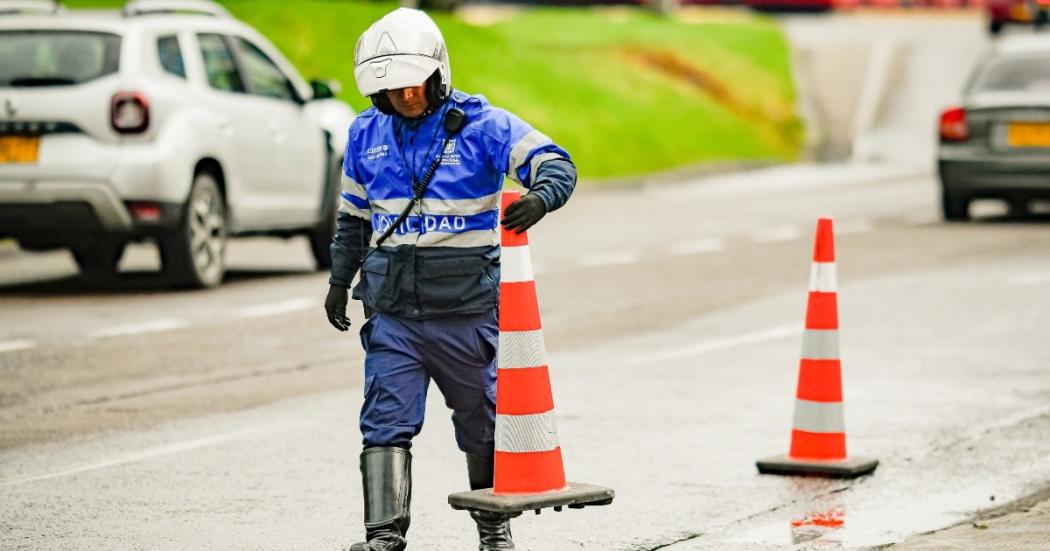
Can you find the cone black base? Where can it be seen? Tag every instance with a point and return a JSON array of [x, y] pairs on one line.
[[845, 468], [576, 496]]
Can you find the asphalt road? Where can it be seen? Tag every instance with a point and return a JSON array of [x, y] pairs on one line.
[[138, 418]]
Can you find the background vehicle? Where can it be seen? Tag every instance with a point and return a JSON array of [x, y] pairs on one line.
[[997, 144], [790, 5], [169, 121], [1005, 12]]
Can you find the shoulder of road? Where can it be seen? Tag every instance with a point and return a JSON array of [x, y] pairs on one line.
[[1020, 526]]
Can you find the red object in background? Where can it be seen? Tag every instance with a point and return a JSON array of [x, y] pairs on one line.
[[953, 125], [1001, 12], [773, 5]]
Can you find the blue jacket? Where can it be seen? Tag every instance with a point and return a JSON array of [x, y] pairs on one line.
[[444, 259]]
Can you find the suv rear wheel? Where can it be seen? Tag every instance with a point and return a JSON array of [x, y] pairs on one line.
[[195, 255]]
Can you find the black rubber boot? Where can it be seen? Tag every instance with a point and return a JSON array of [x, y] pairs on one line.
[[386, 475], [493, 528]]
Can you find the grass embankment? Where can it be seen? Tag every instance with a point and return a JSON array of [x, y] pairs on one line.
[[624, 91]]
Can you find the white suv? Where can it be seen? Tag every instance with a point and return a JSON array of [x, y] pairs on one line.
[[169, 121]]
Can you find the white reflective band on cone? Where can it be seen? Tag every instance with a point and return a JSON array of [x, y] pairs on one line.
[[519, 349], [820, 344], [515, 264], [822, 277], [819, 416], [526, 433]]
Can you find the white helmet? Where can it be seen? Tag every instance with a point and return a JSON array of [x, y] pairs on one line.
[[402, 49]]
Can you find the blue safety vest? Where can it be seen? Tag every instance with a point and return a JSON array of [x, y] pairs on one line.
[[444, 258]]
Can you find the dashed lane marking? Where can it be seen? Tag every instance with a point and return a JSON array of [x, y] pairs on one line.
[[698, 246], [160, 451], [1032, 278], [275, 308], [714, 345], [609, 259], [154, 326], [14, 346], [777, 235]]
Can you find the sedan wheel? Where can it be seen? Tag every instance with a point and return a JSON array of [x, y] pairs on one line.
[[953, 207], [195, 256]]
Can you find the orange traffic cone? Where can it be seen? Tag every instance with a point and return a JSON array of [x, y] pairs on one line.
[[528, 454], [818, 437], [529, 473]]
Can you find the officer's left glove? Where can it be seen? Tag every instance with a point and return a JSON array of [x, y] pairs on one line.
[[524, 213], [335, 307]]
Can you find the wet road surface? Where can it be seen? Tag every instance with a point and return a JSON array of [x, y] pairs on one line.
[[139, 418]]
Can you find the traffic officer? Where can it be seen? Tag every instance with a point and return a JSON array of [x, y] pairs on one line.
[[419, 215]]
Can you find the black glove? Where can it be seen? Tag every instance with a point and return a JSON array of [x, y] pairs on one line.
[[335, 307], [524, 213]]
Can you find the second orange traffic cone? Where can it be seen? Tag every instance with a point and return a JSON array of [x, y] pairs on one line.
[[818, 435]]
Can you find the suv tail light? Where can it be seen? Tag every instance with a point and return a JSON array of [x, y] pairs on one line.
[[953, 125], [130, 113]]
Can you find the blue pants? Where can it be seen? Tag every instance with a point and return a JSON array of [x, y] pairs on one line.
[[402, 355]]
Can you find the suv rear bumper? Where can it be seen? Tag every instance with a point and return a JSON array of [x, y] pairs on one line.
[[54, 214], [108, 211]]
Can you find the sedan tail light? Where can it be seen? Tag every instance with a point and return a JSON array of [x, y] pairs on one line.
[[953, 125], [130, 113]]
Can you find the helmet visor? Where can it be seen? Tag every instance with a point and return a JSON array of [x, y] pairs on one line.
[[393, 71]]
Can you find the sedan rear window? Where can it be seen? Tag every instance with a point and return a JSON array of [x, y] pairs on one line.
[[56, 58], [1015, 74]]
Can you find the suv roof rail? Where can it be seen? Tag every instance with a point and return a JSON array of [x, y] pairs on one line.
[[15, 7], [160, 7]]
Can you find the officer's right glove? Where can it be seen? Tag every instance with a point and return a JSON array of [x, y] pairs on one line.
[[335, 307], [524, 213]]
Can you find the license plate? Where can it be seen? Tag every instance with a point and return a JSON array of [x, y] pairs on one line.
[[1021, 13], [19, 149], [1028, 134]]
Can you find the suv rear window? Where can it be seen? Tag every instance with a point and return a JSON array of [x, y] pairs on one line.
[[1015, 74], [56, 58]]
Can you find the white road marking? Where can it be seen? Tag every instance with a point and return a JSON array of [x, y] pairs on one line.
[[714, 345], [1032, 278], [777, 235], [274, 308], [159, 451], [699, 246], [854, 226], [155, 326], [609, 259], [13, 346]]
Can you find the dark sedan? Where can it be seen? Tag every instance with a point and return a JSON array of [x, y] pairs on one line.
[[997, 143]]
